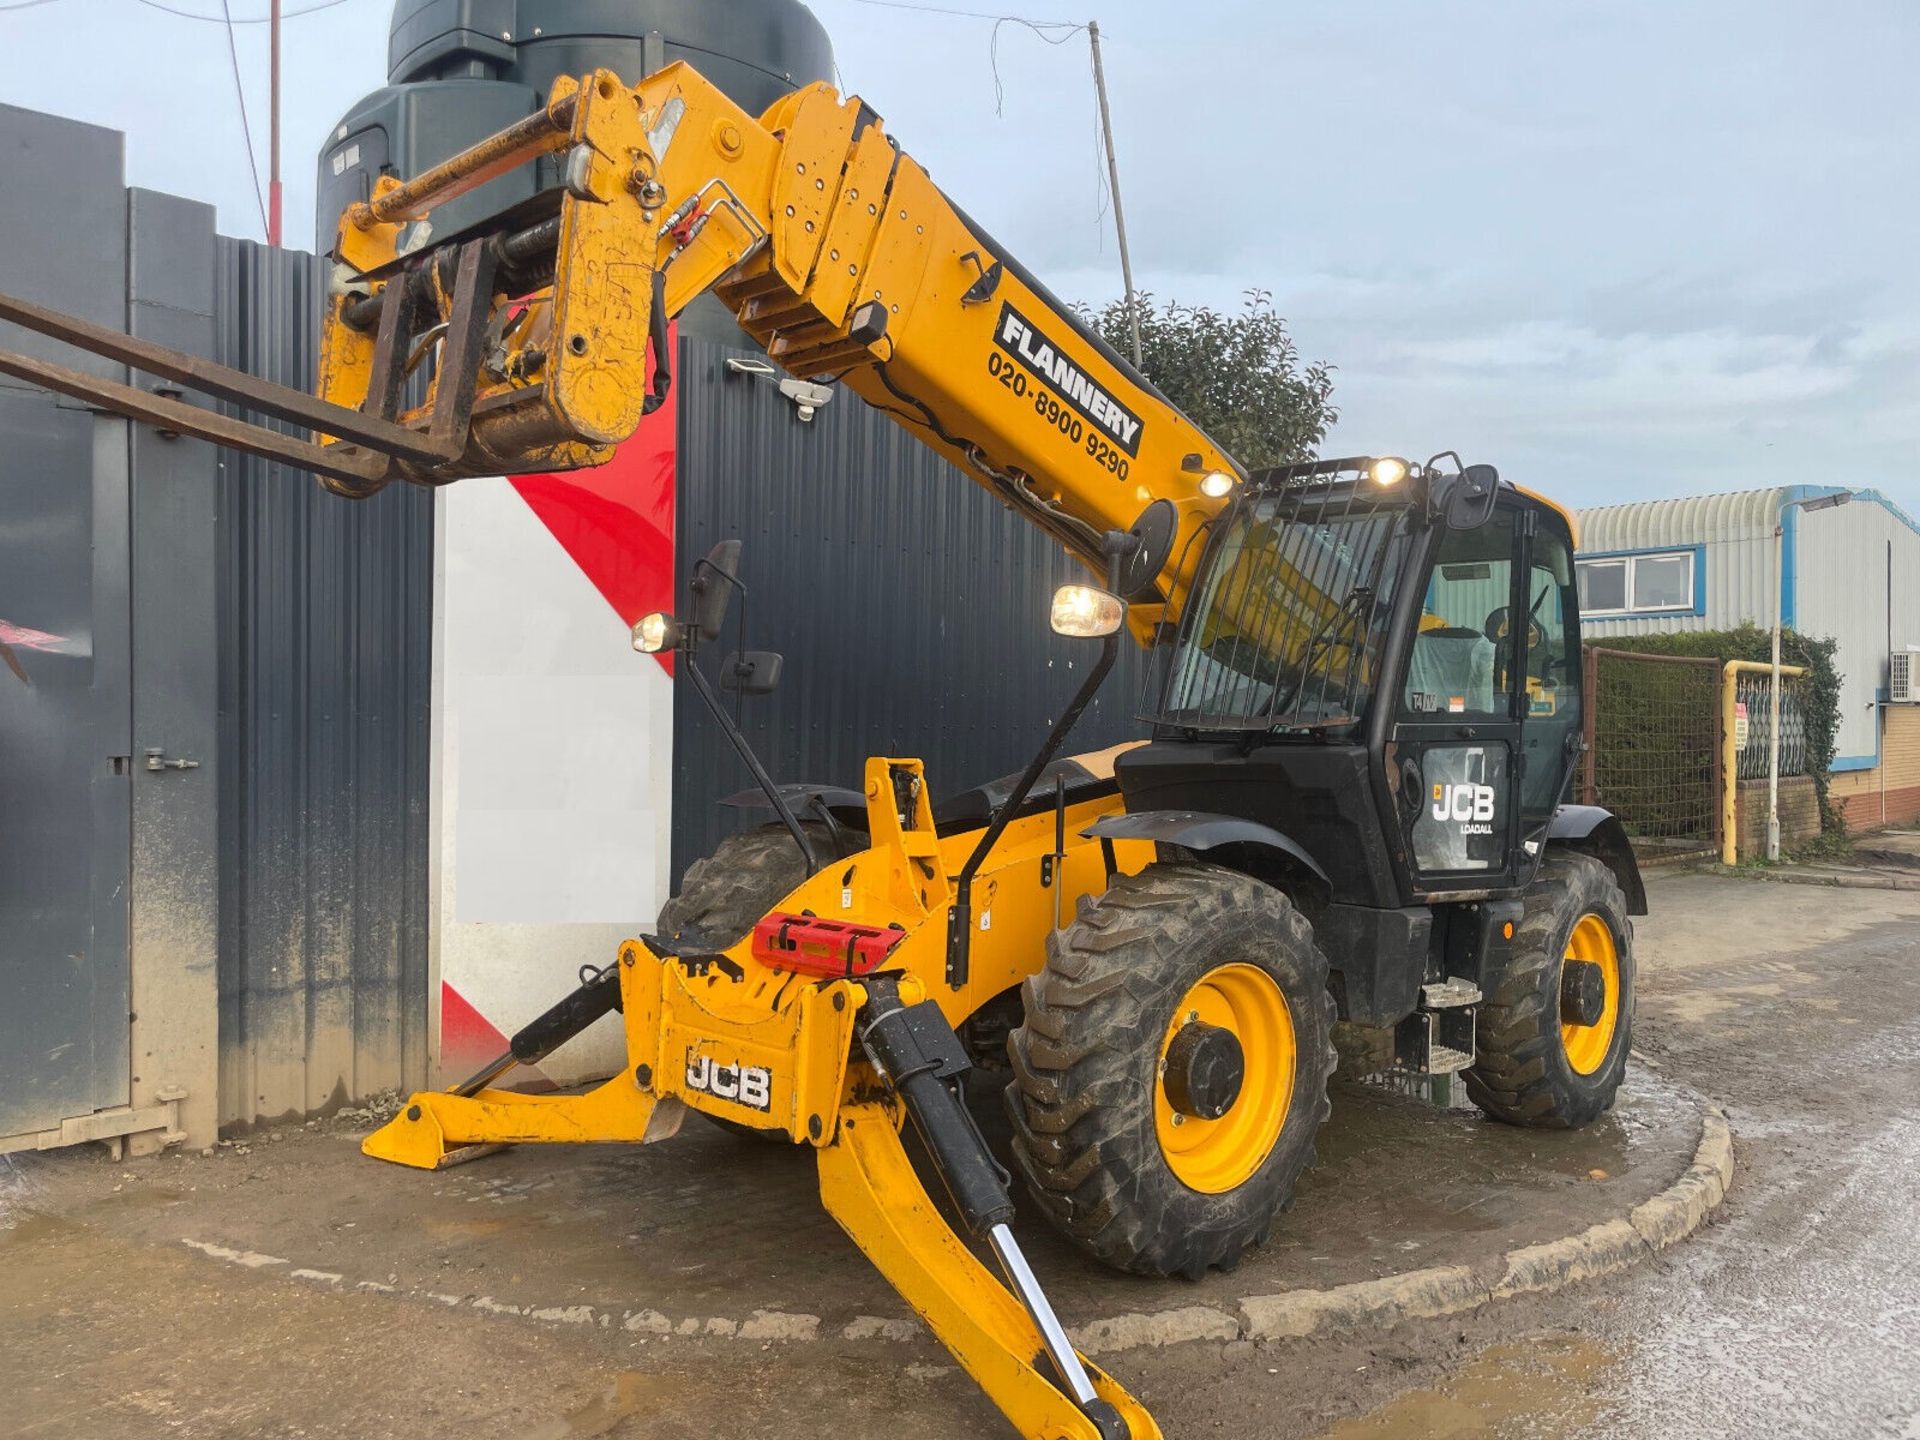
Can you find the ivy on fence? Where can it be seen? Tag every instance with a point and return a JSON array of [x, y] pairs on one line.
[[1750, 642]]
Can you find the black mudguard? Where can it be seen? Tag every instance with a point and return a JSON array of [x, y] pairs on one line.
[[1200, 830], [1593, 831]]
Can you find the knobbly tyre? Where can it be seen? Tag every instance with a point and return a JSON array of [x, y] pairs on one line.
[[1364, 713]]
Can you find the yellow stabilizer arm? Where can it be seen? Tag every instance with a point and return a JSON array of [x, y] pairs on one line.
[[869, 1187], [437, 1126]]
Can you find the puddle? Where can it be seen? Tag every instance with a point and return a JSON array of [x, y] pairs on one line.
[[1540, 1390], [630, 1393]]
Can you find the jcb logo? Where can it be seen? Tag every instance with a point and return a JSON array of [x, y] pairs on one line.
[[1466, 804], [747, 1085]]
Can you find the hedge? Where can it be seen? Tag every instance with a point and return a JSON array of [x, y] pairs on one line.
[[1750, 642]]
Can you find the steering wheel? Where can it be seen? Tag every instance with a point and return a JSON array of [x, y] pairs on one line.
[[1500, 622]]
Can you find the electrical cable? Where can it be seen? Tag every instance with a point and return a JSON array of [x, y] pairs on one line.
[[968, 14], [1038, 27], [1054, 32], [246, 127], [239, 19], [195, 15]]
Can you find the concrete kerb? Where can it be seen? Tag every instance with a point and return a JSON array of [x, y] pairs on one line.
[[1833, 879], [1601, 1249]]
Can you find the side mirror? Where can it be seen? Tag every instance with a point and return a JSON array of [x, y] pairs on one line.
[[752, 672], [712, 588], [1470, 498], [1145, 549]]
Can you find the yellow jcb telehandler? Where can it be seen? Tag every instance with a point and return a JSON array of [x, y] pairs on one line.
[[1365, 713]]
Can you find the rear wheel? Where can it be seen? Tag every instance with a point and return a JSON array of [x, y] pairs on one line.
[[1171, 1073], [1557, 1023], [725, 895]]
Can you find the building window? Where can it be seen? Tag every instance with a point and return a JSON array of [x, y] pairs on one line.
[[1655, 583]]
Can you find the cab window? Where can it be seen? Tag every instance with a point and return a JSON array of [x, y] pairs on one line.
[[1458, 666]]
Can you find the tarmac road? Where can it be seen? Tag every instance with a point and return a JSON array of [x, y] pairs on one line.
[[1796, 1313]]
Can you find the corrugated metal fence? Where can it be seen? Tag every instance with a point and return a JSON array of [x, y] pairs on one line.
[[911, 605], [325, 629]]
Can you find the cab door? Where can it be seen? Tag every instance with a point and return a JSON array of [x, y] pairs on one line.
[[1455, 744]]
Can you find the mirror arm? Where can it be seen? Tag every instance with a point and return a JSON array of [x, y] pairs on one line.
[[960, 917], [738, 740]]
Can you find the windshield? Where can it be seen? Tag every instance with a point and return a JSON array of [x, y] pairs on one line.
[[1285, 625]]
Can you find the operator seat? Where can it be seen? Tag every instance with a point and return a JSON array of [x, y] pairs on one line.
[[1452, 663]]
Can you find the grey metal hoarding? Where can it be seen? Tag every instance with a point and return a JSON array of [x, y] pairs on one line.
[[213, 779], [65, 701], [325, 671]]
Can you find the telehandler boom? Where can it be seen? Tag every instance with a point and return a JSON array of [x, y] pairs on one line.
[[1365, 715]]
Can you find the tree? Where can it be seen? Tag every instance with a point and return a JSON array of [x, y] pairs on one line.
[[1238, 377]]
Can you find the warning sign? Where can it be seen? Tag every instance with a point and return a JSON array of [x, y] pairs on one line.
[[1740, 730]]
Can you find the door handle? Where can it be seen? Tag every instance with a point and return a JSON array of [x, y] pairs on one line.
[[1411, 783]]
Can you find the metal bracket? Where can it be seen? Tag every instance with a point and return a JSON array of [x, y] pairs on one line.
[[157, 760], [806, 396]]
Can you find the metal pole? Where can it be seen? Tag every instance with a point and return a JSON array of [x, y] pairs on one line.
[[1773, 726], [1113, 184], [273, 128]]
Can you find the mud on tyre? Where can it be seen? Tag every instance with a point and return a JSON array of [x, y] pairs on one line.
[[1129, 1127], [722, 897], [1557, 1021]]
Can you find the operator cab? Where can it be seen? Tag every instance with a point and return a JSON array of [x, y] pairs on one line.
[[1350, 671]]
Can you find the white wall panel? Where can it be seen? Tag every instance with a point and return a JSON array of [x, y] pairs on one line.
[[553, 779]]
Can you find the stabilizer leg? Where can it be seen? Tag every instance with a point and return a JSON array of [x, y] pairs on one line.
[[868, 1185], [436, 1128]]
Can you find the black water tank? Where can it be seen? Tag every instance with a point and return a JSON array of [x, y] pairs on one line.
[[755, 50], [459, 70]]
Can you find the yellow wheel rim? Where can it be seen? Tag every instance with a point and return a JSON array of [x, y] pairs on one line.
[[1587, 1045], [1214, 1156]]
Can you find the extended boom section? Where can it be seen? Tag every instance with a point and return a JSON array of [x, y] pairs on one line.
[[832, 247]]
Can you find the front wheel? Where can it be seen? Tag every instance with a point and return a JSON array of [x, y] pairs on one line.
[[1171, 1073], [1557, 1023]]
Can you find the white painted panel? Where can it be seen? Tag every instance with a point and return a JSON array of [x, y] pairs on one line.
[[553, 775], [1842, 590]]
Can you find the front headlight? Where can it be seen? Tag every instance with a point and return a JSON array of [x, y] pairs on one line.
[[656, 632], [1086, 611]]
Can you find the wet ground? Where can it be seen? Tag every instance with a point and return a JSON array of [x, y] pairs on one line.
[[708, 1231], [324, 1295]]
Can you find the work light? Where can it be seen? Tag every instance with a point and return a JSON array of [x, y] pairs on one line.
[[1086, 610], [656, 632]]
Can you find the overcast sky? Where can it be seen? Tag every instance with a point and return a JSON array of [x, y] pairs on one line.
[[1621, 250]]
